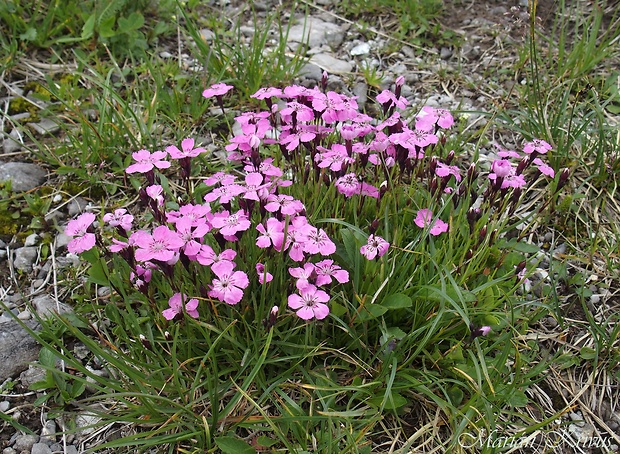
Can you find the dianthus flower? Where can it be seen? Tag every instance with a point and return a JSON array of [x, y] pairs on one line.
[[217, 90], [228, 287], [229, 224], [310, 303], [120, 218], [376, 246], [536, 145], [187, 150], [82, 239], [161, 245], [263, 276], [146, 161], [424, 218], [176, 307], [326, 269]]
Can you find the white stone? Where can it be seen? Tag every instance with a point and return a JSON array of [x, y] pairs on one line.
[[361, 49], [331, 64]]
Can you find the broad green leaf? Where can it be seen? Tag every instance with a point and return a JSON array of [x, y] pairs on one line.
[[396, 401], [371, 311], [97, 274], [232, 445], [266, 441], [133, 22], [397, 301], [89, 27], [517, 398], [587, 353]]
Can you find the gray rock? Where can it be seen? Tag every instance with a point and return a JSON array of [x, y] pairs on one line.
[[311, 72], [360, 49], [45, 306], [40, 448], [45, 126], [361, 91], [4, 406], [315, 33], [62, 240], [23, 176], [32, 240], [31, 375], [25, 442], [48, 433], [25, 258], [13, 142], [9, 451], [331, 64], [207, 34], [445, 53], [77, 206]]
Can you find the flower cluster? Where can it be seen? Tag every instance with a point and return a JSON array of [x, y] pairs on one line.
[[306, 137]]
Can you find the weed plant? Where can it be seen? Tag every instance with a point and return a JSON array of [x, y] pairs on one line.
[[340, 272]]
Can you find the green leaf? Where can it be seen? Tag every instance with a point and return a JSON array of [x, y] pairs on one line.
[[266, 441], [133, 22], [456, 395], [517, 398], [29, 35], [370, 311], [396, 401], [106, 28], [97, 274], [232, 445], [89, 27], [587, 353], [397, 301]]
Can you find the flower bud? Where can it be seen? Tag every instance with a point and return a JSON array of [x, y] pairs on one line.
[[478, 331], [450, 157], [564, 174], [374, 225]]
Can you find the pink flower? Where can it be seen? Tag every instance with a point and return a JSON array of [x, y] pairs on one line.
[[536, 145], [303, 275], [156, 192], [388, 98], [444, 170], [119, 218], [310, 303], [217, 90], [501, 168], [161, 245], [176, 307], [424, 218], [191, 235], [272, 233], [263, 276], [229, 224], [224, 194], [326, 269], [220, 177], [430, 116], [317, 242], [187, 150], [145, 161], [77, 228], [227, 287], [544, 168], [208, 257], [267, 92], [283, 203], [376, 246], [348, 184]]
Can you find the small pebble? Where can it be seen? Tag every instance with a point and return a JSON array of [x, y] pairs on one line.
[[24, 315], [4, 406], [40, 448]]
